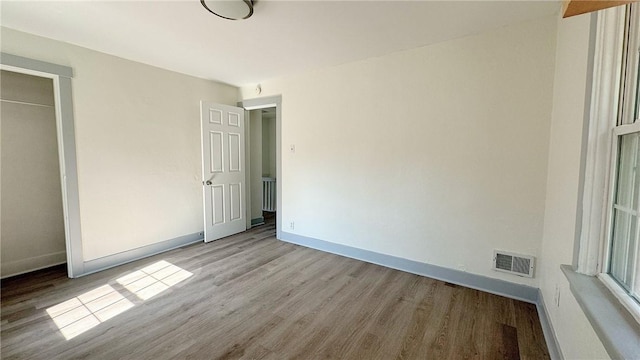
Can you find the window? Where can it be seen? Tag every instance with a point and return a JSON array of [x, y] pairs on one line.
[[608, 239], [622, 249]]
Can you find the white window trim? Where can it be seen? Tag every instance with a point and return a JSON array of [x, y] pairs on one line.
[[604, 108], [602, 147]]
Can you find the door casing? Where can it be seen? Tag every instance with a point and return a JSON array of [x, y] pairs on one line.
[[263, 103], [61, 76]]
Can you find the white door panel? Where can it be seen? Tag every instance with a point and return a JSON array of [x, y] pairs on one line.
[[223, 173]]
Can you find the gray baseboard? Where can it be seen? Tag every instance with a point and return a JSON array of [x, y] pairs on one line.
[[494, 286], [257, 221], [547, 329], [21, 266], [124, 257]]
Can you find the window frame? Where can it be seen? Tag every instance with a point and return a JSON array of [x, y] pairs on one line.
[[614, 324], [609, 281], [628, 110], [598, 141], [608, 121], [626, 123]]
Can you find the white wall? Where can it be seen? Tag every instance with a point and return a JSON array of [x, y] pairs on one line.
[[436, 154], [138, 144], [575, 335], [255, 157], [32, 235]]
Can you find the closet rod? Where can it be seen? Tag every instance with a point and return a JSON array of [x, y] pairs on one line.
[[24, 103]]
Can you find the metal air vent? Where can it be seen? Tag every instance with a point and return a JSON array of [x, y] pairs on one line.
[[517, 264]]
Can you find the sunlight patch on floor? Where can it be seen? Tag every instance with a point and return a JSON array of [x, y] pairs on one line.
[[153, 279], [75, 316]]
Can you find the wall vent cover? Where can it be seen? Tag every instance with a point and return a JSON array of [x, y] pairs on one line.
[[517, 264]]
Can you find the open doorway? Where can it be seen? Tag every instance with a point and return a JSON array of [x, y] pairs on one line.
[[60, 76], [263, 174], [264, 181], [33, 232]]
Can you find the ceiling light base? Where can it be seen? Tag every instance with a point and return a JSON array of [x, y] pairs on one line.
[[229, 9]]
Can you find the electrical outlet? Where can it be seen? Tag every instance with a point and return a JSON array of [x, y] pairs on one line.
[[292, 225]]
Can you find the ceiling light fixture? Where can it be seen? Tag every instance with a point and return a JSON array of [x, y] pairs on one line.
[[229, 9]]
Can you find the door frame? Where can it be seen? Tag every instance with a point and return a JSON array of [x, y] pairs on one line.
[[263, 103], [65, 128]]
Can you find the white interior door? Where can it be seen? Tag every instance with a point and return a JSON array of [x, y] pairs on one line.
[[223, 170]]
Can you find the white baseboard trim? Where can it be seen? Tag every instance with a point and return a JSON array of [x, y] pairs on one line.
[[124, 257], [17, 267], [547, 329], [494, 286]]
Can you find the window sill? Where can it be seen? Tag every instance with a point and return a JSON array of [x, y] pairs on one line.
[[615, 326]]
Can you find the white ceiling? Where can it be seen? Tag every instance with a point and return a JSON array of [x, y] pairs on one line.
[[281, 38]]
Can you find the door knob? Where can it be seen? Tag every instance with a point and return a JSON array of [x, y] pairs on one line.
[[208, 182]]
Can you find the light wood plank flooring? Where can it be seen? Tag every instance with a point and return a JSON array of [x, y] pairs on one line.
[[251, 296]]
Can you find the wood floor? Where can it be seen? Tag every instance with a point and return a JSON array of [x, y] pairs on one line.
[[251, 296]]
